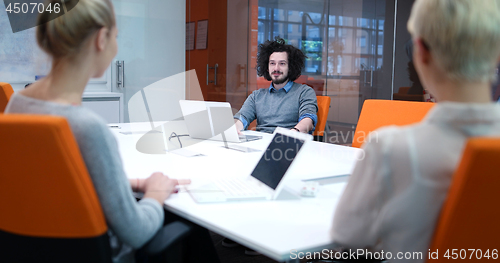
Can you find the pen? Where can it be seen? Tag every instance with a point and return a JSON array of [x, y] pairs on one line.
[[114, 126]]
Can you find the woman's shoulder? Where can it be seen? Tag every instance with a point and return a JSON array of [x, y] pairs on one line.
[[87, 125], [86, 116], [389, 138]]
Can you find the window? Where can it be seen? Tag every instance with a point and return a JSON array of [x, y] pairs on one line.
[[341, 40]]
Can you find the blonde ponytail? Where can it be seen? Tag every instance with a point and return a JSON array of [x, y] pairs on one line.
[[64, 36]]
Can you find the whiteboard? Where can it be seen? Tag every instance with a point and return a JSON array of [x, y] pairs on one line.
[[20, 57]]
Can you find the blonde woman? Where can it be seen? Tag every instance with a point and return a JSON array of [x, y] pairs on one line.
[[394, 196], [82, 44]]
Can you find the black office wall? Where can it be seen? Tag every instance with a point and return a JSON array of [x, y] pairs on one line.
[[401, 77]]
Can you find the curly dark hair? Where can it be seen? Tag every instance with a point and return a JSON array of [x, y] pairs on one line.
[[296, 58]]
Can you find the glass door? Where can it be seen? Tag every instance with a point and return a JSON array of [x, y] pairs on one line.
[[151, 42], [206, 48], [348, 44]]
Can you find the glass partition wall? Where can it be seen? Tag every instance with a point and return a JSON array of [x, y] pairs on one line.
[[349, 46]]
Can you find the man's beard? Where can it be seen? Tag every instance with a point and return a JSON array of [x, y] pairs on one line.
[[280, 80]]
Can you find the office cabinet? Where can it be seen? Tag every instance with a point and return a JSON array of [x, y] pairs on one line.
[[108, 105]]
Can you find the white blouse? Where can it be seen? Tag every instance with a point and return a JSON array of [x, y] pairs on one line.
[[394, 196]]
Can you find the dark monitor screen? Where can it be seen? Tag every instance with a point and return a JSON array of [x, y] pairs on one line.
[[276, 159]]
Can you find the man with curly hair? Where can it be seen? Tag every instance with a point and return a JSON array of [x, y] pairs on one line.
[[285, 103]]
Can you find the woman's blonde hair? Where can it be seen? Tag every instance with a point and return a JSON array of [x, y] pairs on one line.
[[63, 36], [462, 35]]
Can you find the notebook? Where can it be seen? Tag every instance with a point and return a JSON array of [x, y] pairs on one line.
[[211, 121], [266, 180]]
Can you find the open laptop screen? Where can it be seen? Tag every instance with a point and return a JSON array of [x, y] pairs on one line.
[[276, 159]]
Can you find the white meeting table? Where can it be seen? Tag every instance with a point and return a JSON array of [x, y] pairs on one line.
[[273, 228]]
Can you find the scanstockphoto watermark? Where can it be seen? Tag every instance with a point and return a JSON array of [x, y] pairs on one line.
[[354, 254], [339, 155], [341, 137], [23, 14], [288, 147]]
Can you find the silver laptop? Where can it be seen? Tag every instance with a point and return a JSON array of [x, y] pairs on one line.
[[266, 180], [212, 121]]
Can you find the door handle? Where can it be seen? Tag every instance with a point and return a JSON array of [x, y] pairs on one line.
[[242, 76], [215, 75], [371, 78], [120, 71]]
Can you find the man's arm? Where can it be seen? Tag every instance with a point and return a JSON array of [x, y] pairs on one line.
[[239, 126], [308, 110], [246, 114], [305, 125]]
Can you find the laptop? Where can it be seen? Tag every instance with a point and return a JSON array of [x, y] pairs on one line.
[[266, 180], [212, 121]]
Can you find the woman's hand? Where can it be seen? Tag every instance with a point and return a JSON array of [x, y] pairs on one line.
[[159, 187]]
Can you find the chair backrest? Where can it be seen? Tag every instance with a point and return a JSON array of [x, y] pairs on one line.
[[323, 109], [49, 205], [469, 216], [6, 92], [403, 90], [379, 113]]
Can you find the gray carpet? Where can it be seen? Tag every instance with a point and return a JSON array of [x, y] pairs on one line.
[[338, 133], [236, 254]]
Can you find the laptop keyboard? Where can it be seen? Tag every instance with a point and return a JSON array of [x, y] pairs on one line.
[[238, 187], [247, 138]]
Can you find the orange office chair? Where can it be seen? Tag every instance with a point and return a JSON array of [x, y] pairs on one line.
[[252, 126], [323, 109], [379, 113], [6, 92], [469, 216], [402, 94], [50, 210]]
